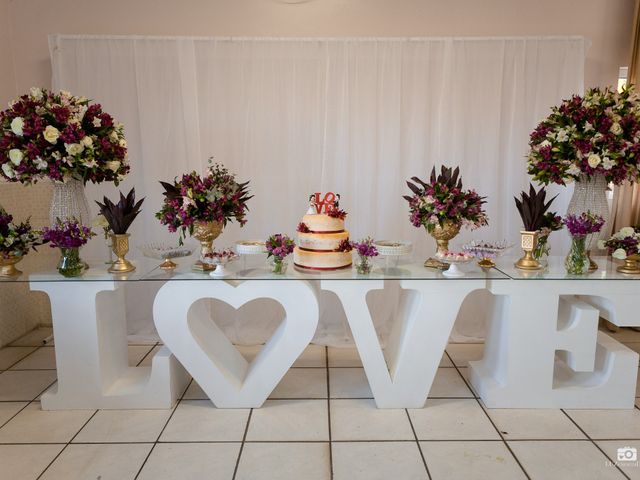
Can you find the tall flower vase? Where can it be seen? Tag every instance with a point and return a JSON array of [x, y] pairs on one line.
[[69, 201], [577, 261], [442, 234], [590, 194]]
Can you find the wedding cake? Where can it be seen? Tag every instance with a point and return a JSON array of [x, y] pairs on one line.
[[323, 242]]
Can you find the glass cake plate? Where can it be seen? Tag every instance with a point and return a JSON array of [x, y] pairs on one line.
[[487, 252], [454, 260], [165, 252]]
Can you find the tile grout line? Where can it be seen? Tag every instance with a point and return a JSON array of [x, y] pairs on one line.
[[144, 462], [326, 364], [22, 358], [593, 442], [415, 435], [477, 399], [244, 439], [66, 445], [146, 354]]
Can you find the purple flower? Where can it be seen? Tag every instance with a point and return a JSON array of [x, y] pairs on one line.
[[67, 234], [365, 248], [279, 246], [583, 224]]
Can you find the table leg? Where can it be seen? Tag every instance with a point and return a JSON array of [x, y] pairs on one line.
[[89, 326]]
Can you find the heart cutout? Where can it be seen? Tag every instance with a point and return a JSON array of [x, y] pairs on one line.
[[185, 326]]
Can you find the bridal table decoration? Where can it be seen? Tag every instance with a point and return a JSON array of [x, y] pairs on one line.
[[532, 208], [592, 140], [120, 216], [366, 250], [279, 246], [579, 227], [16, 240], [202, 205], [624, 245], [66, 139], [442, 207], [68, 235]]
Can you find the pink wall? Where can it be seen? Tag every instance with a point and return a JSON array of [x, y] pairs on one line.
[[607, 23]]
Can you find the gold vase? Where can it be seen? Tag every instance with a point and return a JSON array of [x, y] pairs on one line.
[[205, 233], [120, 246], [630, 265], [528, 242], [442, 234], [8, 266]]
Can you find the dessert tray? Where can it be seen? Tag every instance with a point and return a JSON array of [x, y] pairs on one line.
[[165, 252], [486, 252], [392, 248], [219, 258], [454, 259]]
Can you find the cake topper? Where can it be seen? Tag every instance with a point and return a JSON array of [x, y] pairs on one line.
[[330, 202]]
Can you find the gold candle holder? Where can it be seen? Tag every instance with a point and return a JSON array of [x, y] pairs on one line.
[[8, 266], [120, 247], [630, 265], [442, 234], [528, 242], [205, 233]]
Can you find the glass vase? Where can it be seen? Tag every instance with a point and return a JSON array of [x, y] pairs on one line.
[[69, 201], [542, 250], [363, 265], [70, 264], [577, 261], [278, 266], [590, 195]]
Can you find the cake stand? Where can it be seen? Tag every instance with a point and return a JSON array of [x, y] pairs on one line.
[[392, 250], [220, 259], [165, 252], [250, 247], [487, 252], [453, 271]]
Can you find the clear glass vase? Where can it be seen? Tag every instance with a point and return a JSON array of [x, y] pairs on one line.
[[70, 264], [542, 250], [577, 261], [69, 201], [278, 266], [363, 265]]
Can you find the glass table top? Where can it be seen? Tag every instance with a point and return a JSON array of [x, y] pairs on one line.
[[42, 268]]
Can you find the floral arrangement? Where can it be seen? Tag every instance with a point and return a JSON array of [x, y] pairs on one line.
[[53, 135], [443, 199], [597, 134], [279, 246], [336, 212], [345, 245], [121, 215], [551, 222], [16, 239], [533, 207], [302, 228], [366, 250], [579, 226], [622, 244], [67, 234], [216, 196]]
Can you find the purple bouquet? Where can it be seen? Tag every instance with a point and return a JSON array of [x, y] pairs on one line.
[[580, 226], [279, 246], [67, 234], [365, 248]]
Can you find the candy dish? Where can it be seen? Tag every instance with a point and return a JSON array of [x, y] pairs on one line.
[[487, 252], [454, 259], [165, 252], [219, 258]]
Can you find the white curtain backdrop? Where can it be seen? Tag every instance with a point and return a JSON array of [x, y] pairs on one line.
[[356, 116]]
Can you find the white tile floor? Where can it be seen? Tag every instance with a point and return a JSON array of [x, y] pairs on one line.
[[319, 423]]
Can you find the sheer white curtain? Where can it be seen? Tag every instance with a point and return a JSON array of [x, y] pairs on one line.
[[350, 115]]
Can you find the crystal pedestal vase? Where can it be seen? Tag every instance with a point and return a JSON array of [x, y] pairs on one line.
[[442, 234], [590, 195], [69, 201]]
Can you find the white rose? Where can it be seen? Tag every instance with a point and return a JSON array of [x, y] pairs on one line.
[[51, 134], [616, 129], [619, 254], [73, 148], [8, 170], [17, 124], [627, 232], [114, 165], [573, 170], [87, 141], [113, 136], [593, 160], [35, 93], [601, 245], [97, 122], [122, 143], [15, 156]]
